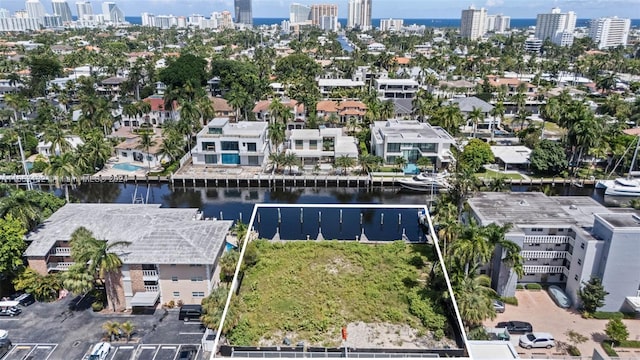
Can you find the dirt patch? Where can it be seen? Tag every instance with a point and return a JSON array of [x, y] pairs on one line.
[[339, 265]]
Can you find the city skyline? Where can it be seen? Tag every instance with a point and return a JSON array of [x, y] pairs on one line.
[[407, 9]]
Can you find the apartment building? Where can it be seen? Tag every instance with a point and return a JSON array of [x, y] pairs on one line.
[[556, 26], [396, 88], [391, 24], [318, 146], [325, 16], [222, 142], [172, 253], [565, 240], [609, 32], [412, 140], [473, 23]]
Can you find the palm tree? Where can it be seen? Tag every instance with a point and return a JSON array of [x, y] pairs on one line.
[[173, 144], [388, 110], [472, 247], [146, 142], [17, 103], [423, 162], [21, 207], [127, 328], [400, 163], [449, 117], [112, 328], [476, 115], [474, 298], [96, 150], [228, 263], [276, 135], [344, 162], [551, 111], [62, 168], [369, 163], [508, 251], [78, 280], [290, 160], [276, 160]]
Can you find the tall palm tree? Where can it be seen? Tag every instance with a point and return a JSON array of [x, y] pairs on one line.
[[276, 159], [56, 136], [277, 135], [78, 280], [96, 150], [369, 163], [63, 169], [476, 115], [17, 103], [290, 160], [474, 297], [551, 111], [173, 144], [400, 163], [20, 206], [472, 247], [448, 225], [146, 142], [344, 162]]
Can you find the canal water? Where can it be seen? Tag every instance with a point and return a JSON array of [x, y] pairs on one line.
[[237, 204]]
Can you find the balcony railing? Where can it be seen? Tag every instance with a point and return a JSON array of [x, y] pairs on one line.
[[545, 269], [61, 251], [60, 266], [548, 239], [151, 288], [149, 275], [527, 254]]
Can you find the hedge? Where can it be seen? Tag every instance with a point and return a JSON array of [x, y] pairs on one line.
[[519, 287], [573, 351], [630, 344], [533, 287], [608, 349], [604, 315], [511, 300]]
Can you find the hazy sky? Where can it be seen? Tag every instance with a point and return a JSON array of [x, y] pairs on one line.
[[381, 8]]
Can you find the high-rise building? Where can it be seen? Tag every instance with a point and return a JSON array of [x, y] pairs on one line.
[[61, 8], [51, 21], [320, 11], [391, 24], [4, 13], [359, 14], [243, 12], [148, 19], [556, 26], [498, 23], [473, 23], [18, 24], [85, 10], [112, 12], [35, 10], [609, 32], [328, 23], [299, 14]]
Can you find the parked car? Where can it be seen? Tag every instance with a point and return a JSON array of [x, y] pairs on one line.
[[100, 351], [190, 313], [498, 306], [187, 353], [516, 326], [5, 346], [9, 308], [537, 340], [24, 299], [559, 297]]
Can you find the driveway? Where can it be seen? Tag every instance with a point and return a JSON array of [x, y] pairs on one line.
[[537, 308], [75, 332]]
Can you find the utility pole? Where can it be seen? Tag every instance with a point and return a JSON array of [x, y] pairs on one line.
[[24, 165]]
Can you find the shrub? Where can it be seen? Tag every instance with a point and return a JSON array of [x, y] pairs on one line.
[[533, 287], [605, 315], [97, 306], [606, 345], [630, 343], [573, 351], [519, 287], [511, 300], [179, 303], [39, 166], [171, 304]]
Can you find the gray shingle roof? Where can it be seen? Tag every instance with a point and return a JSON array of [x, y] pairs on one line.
[[157, 235], [468, 103]]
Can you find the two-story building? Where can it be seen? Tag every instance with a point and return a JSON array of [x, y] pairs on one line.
[[565, 240], [44, 147], [396, 88], [411, 140], [343, 111], [329, 85], [157, 115], [321, 146], [132, 151], [262, 112], [172, 253], [222, 142], [222, 108]]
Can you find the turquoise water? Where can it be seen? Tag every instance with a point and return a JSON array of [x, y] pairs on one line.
[[127, 167], [229, 247]]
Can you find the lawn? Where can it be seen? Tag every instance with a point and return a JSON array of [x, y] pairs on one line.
[[490, 174], [308, 291]]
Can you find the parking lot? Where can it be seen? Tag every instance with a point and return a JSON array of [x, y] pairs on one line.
[[50, 331], [544, 315]]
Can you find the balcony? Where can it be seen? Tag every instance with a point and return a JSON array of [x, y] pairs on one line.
[[150, 275], [545, 269], [151, 288], [548, 239], [546, 255], [60, 266], [60, 251]]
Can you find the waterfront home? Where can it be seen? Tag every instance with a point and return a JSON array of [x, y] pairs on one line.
[[396, 88], [262, 112], [321, 146], [468, 104], [222, 108], [172, 254], [412, 140], [327, 86], [511, 157], [156, 116], [565, 240], [343, 111], [44, 148], [132, 151], [222, 142]]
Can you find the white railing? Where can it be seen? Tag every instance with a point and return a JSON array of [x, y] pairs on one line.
[[527, 254], [149, 273], [61, 266], [544, 269], [547, 239], [61, 251], [151, 288], [184, 159]]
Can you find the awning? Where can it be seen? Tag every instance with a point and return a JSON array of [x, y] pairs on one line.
[[634, 302], [148, 298]]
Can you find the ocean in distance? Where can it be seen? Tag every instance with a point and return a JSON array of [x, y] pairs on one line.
[[438, 23]]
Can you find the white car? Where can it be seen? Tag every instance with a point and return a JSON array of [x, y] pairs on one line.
[[537, 340], [100, 351]]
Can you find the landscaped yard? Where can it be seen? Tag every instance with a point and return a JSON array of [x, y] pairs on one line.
[[490, 174], [307, 291]]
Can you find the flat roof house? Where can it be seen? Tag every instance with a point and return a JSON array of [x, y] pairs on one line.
[[314, 146], [172, 254], [412, 140], [566, 240], [396, 88], [222, 142]]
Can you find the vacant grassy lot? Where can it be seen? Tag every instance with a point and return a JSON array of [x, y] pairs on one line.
[[490, 174], [309, 290]]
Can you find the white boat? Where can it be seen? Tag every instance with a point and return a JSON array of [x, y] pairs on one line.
[[622, 187], [426, 182]]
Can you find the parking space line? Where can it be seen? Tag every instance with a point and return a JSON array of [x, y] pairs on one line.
[[190, 333], [128, 347], [55, 346]]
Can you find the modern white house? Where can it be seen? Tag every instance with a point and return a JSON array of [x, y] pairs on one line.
[[565, 240], [222, 142], [396, 88], [328, 85], [412, 140], [44, 148], [316, 146]]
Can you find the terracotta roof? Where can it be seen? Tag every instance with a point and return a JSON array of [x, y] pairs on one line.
[[352, 112], [263, 105], [326, 106], [220, 104], [351, 104], [134, 143], [402, 60], [157, 103]]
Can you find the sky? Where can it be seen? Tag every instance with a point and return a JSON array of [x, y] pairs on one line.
[[408, 9]]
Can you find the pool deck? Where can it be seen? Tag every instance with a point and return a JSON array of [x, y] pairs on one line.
[[109, 171]]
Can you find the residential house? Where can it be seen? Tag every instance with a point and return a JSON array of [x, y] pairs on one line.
[[327, 86], [396, 88], [172, 253], [343, 111], [368, 73], [110, 86], [512, 157], [298, 115], [132, 151], [565, 240], [510, 85], [222, 142], [412, 140], [222, 108], [468, 104], [321, 146], [158, 115], [44, 148]]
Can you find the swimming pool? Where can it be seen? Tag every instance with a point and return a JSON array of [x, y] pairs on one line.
[[127, 167]]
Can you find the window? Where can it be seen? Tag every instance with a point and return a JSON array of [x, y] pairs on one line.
[[176, 294], [313, 144], [210, 159], [209, 146], [195, 265], [581, 245], [427, 147], [253, 160], [391, 147], [576, 277], [560, 230], [251, 147], [229, 145], [196, 278], [174, 278], [579, 261], [215, 131], [123, 154], [299, 144], [197, 294], [149, 158], [173, 265]]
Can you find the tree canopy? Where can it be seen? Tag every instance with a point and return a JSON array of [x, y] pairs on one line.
[[475, 154], [592, 294], [187, 68], [12, 245], [296, 67], [548, 158]]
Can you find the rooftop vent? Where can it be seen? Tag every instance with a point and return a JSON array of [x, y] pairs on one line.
[[573, 207], [523, 203]]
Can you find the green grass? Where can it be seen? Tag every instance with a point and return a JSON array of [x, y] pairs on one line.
[[490, 174], [313, 289]]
